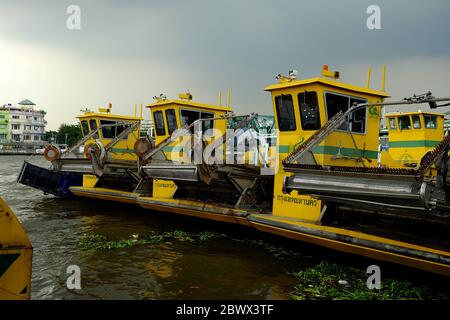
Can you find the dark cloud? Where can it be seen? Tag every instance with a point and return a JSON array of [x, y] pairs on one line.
[[235, 43]]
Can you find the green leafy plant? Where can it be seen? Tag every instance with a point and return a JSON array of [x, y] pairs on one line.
[[323, 282], [101, 242]]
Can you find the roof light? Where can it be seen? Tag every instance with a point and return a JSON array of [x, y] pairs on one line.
[[329, 74]]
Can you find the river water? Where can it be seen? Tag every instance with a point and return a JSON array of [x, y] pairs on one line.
[[221, 268]]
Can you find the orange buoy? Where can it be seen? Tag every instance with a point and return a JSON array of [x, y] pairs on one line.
[[52, 152], [91, 146], [142, 147]]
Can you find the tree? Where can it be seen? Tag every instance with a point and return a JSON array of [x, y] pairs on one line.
[[51, 136], [69, 134]]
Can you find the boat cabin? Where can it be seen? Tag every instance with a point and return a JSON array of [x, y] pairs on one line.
[[169, 115], [410, 136], [105, 128], [301, 108]]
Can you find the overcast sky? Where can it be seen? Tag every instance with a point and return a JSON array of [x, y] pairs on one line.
[[129, 51]]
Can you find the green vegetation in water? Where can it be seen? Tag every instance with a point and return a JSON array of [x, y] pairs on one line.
[[101, 242], [322, 282], [278, 252]]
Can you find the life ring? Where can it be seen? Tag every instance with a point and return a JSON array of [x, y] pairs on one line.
[[91, 146], [52, 153], [142, 147]]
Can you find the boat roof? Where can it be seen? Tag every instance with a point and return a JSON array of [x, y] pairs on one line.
[[328, 82], [111, 116], [188, 103], [407, 113]]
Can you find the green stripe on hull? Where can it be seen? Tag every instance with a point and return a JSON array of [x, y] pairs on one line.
[[172, 148], [330, 150], [413, 144], [117, 150], [346, 152], [284, 149]]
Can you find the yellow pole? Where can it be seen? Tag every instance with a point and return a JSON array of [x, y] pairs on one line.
[[135, 110], [141, 112], [368, 78], [229, 98], [383, 78]]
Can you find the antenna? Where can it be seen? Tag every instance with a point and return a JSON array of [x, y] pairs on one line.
[[160, 98], [292, 75], [368, 78]]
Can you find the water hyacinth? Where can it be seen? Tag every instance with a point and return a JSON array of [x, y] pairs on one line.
[[101, 242], [330, 281]]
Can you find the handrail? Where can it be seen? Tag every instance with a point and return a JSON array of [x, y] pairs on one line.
[[171, 138], [93, 133]]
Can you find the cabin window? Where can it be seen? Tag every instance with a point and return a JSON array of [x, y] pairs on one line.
[[171, 120], [338, 102], [121, 128], [393, 123], [285, 112], [93, 125], [158, 120], [430, 122], [189, 116], [358, 118], [309, 110], [108, 129], [112, 129], [404, 123], [84, 127], [416, 121], [207, 124]]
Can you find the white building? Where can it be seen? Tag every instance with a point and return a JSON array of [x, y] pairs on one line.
[[25, 124], [147, 128]]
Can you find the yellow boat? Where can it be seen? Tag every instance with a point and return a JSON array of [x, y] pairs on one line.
[[410, 136], [15, 257], [325, 165], [107, 157]]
